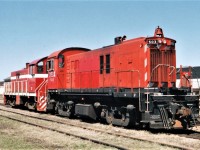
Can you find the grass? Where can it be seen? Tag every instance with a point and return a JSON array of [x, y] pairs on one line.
[[8, 142], [10, 137], [15, 136]]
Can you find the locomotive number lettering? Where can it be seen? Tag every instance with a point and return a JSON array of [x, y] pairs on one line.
[[152, 41]]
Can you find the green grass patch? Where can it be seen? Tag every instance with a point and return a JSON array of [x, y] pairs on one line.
[[11, 138], [10, 142]]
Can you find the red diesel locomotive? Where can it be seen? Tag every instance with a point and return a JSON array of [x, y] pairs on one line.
[[130, 83]]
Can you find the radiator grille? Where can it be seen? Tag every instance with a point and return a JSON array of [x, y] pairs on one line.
[[160, 62]]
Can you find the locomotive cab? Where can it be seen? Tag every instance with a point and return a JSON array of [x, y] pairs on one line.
[[58, 66], [37, 84]]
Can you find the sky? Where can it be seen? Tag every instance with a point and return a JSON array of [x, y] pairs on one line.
[[34, 29]]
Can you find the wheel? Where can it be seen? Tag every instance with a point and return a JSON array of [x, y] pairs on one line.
[[31, 106], [12, 103], [65, 109], [124, 116]]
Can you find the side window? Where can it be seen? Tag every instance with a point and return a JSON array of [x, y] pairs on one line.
[[17, 75], [47, 66], [31, 69], [40, 66], [108, 63], [101, 64], [50, 65], [61, 61]]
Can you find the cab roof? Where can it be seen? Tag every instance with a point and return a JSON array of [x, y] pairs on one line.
[[37, 60], [56, 53]]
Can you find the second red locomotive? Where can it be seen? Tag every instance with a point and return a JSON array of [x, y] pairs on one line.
[[130, 83]]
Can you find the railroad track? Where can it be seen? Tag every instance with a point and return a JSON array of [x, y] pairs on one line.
[[182, 133], [86, 128], [61, 132], [192, 135]]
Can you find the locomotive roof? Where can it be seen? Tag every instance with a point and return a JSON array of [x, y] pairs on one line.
[[56, 53], [136, 40], [8, 79], [21, 71], [37, 60]]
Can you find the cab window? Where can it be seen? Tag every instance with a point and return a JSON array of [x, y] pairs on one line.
[[31, 69], [50, 65], [61, 61], [40, 67]]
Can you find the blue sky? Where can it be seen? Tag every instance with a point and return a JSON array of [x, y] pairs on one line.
[[34, 29]]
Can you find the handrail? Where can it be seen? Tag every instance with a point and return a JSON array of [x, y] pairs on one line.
[[166, 65], [148, 86], [44, 79], [113, 71], [40, 86], [85, 71], [132, 83], [103, 74]]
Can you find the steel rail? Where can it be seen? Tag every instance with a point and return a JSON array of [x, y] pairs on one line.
[[67, 133], [103, 131]]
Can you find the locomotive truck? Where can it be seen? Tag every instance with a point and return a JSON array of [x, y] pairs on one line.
[[130, 83]]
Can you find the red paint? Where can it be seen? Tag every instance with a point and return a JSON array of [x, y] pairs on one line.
[[133, 63]]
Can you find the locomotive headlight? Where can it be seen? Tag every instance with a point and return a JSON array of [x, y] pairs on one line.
[[164, 41], [159, 41]]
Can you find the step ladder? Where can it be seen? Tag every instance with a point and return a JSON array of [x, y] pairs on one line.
[[164, 117]]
